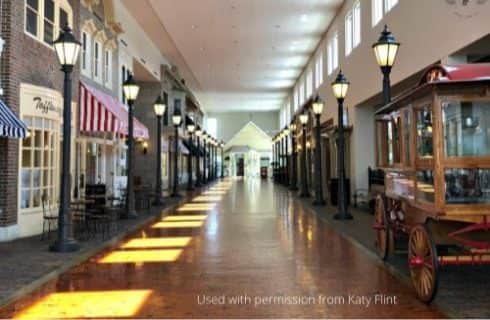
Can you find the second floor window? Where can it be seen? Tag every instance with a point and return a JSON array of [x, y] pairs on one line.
[[97, 61], [86, 53], [319, 71], [381, 7], [45, 18], [333, 54], [309, 83], [353, 28], [108, 68]]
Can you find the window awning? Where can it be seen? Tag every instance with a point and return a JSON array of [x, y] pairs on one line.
[[10, 125], [100, 112]]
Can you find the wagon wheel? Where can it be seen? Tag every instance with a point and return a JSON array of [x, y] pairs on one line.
[[381, 227], [422, 261]]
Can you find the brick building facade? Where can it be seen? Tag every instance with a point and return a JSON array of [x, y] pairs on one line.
[[25, 60]]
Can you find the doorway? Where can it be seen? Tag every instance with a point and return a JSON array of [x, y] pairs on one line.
[[240, 167]]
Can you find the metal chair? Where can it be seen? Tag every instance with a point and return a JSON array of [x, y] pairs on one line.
[[48, 217]]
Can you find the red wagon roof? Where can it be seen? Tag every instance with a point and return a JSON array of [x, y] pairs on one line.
[[462, 72]]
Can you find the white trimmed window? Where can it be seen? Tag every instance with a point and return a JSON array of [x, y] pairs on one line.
[[353, 28], [98, 61], [319, 71], [296, 99], [108, 68], [309, 83], [43, 19], [301, 93], [86, 53], [380, 8], [333, 54]]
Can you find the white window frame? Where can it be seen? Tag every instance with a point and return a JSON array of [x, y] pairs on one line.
[[309, 83], [58, 4], [108, 68], [333, 53], [98, 59], [319, 70], [301, 93], [296, 99], [86, 59], [349, 26], [380, 8], [353, 28], [390, 4]]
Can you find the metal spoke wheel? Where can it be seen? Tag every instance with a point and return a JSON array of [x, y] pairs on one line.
[[381, 226], [423, 263]]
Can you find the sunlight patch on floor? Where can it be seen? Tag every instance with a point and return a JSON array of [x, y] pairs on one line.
[[137, 256], [171, 242], [87, 304], [200, 217], [178, 224]]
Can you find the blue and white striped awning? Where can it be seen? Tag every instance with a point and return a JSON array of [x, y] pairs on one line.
[[10, 125]]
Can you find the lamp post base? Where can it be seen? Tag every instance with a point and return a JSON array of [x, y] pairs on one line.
[[67, 245], [158, 202], [343, 216], [319, 203]]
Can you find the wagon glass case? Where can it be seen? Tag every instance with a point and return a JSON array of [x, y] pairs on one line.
[[433, 144]]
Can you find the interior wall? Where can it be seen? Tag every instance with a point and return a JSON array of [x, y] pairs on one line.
[[229, 123], [429, 31]]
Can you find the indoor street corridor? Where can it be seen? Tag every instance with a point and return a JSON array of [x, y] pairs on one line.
[[241, 248]]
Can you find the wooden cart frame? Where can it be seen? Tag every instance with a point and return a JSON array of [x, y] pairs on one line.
[[424, 195]]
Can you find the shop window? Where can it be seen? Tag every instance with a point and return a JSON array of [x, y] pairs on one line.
[[425, 186], [388, 142], [44, 18], [467, 186], [424, 133], [97, 61], [466, 126], [333, 54], [319, 71], [108, 68], [39, 162]]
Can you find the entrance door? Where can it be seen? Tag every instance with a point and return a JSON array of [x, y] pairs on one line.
[[91, 163], [240, 167]]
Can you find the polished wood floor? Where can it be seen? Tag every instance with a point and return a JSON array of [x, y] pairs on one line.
[[243, 248]]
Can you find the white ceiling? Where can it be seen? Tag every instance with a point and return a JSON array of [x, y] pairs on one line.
[[240, 55]]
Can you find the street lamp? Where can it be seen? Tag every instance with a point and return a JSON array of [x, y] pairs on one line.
[[131, 90], [159, 107], [67, 48], [385, 51], [305, 193], [222, 145], [340, 87], [176, 120], [294, 173], [190, 185], [317, 110], [204, 179], [198, 160]]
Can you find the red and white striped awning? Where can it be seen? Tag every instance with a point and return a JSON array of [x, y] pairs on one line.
[[100, 112]]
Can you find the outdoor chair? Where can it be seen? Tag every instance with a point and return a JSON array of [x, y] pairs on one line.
[[50, 220]]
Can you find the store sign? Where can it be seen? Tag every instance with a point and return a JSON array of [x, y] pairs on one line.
[[46, 106]]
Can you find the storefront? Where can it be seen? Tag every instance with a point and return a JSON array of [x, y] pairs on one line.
[[101, 145], [39, 156]]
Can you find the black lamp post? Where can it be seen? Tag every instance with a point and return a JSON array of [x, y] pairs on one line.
[[176, 120], [222, 145], [159, 108], [67, 49], [340, 87], [385, 51], [294, 163], [198, 158], [204, 179], [131, 90], [190, 184], [213, 161], [286, 132], [274, 159], [317, 110], [305, 193], [282, 156]]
